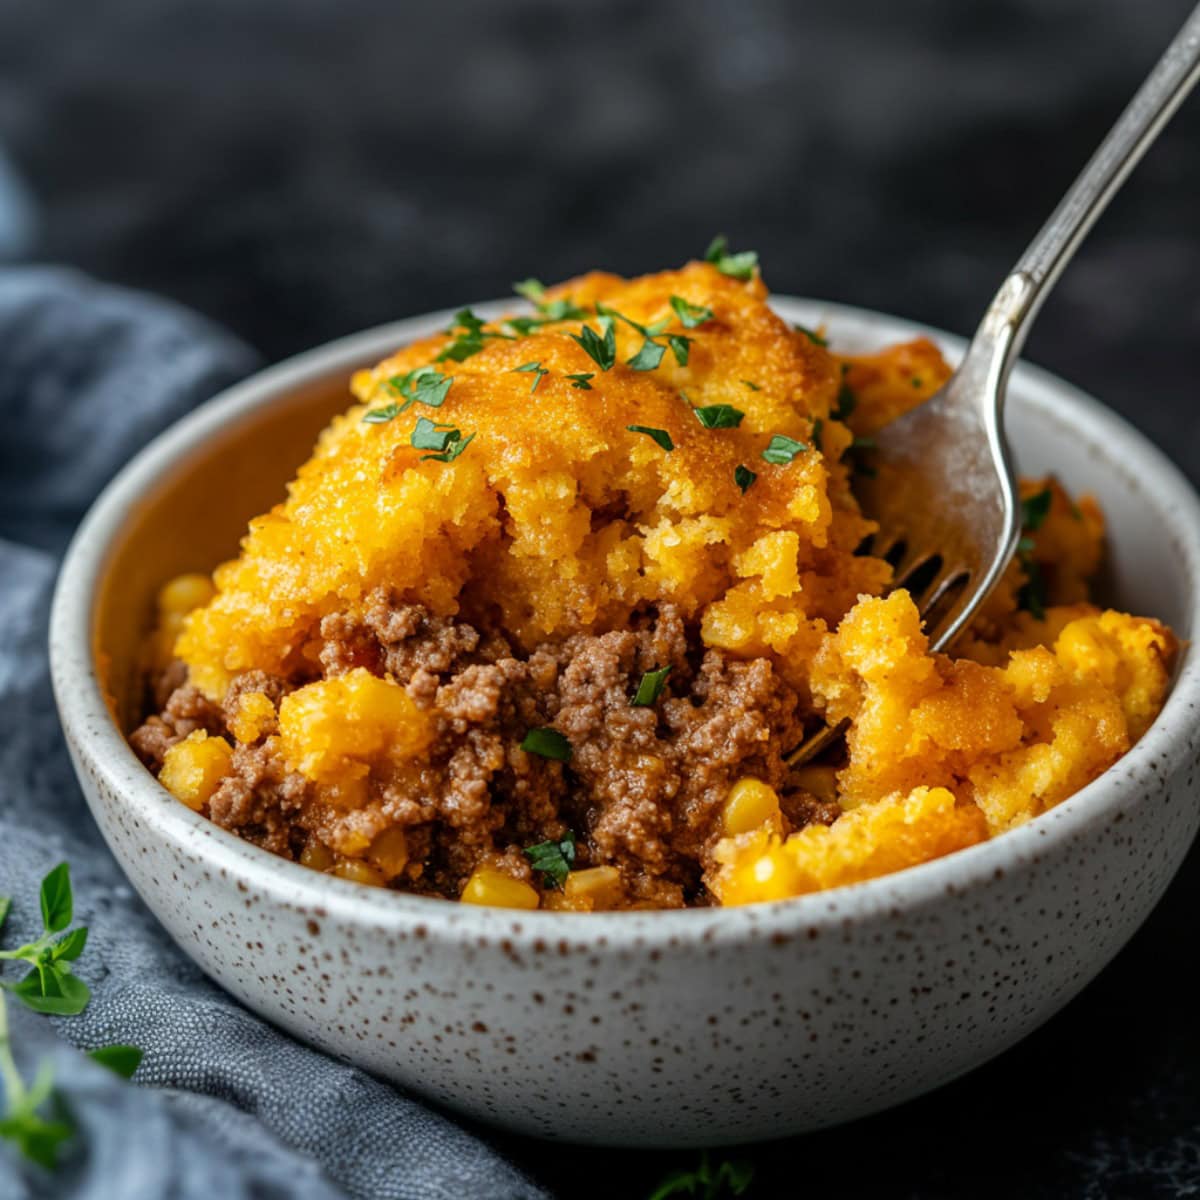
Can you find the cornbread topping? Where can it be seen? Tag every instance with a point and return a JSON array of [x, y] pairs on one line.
[[538, 620]]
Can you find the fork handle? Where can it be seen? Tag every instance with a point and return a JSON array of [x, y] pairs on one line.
[[1038, 269]]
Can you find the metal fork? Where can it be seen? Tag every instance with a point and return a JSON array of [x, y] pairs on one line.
[[943, 490]]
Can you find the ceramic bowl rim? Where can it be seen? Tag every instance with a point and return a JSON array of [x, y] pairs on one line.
[[87, 721]]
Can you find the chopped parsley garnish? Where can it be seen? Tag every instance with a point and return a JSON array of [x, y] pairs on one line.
[[1032, 595], [523, 326], [817, 429], [428, 436], [563, 309], [719, 416], [661, 436], [602, 350], [649, 331], [648, 357], [425, 385], [847, 402], [743, 477], [539, 372], [738, 266], [469, 337], [531, 289], [453, 449], [580, 380], [381, 416], [650, 687], [752, 385], [691, 315], [680, 347], [1035, 509], [553, 859], [812, 335], [782, 449], [548, 743]]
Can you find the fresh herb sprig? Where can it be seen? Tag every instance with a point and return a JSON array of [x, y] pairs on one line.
[[32, 1120], [707, 1181], [553, 859]]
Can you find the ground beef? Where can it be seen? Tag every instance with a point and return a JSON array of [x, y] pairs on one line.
[[643, 789]]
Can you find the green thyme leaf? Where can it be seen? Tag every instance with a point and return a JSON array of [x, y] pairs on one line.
[[70, 946], [538, 370], [916, 382], [650, 687], [580, 380], [52, 990], [680, 347], [661, 436], [648, 357], [738, 266], [863, 443], [743, 477], [548, 743], [719, 416], [37, 1137], [553, 859], [428, 436], [812, 335], [1035, 509], [752, 385], [121, 1059], [55, 899], [602, 350], [531, 289], [782, 449], [692, 315]]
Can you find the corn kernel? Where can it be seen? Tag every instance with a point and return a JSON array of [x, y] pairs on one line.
[[489, 886], [750, 805], [332, 729], [389, 852], [358, 872], [184, 593], [599, 886], [316, 855], [193, 768], [255, 715], [819, 781]]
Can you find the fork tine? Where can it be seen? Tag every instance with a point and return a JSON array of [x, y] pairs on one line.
[[939, 588]]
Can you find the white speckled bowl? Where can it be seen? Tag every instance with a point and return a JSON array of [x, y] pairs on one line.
[[676, 1028]]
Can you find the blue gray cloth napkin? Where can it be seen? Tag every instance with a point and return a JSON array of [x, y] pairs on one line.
[[225, 1107]]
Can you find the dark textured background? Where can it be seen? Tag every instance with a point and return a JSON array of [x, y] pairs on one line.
[[298, 169]]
